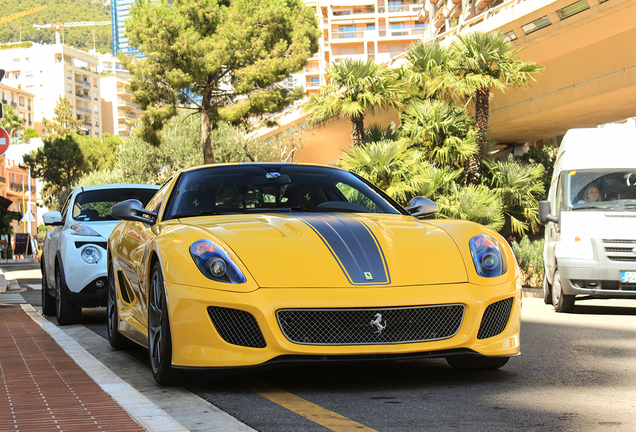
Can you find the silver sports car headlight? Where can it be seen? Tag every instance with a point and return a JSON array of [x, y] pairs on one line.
[[83, 230], [487, 256], [214, 262], [90, 255]]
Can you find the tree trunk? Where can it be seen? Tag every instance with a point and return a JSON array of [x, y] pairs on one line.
[[482, 101], [208, 153], [357, 130]]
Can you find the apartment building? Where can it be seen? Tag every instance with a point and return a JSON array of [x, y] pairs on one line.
[[361, 29], [119, 12], [51, 71], [119, 112], [22, 103]]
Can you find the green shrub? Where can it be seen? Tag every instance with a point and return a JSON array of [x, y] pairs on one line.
[[529, 255]]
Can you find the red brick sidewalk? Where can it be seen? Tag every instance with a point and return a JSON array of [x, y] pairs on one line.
[[43, 389]]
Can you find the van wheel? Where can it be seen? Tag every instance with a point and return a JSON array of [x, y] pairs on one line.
[[562, 302], [547, 290]]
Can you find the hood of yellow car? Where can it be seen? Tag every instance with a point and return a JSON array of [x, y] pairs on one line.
[[338, 250]]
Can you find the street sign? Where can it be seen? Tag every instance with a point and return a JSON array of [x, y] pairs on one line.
[[4, 141], [1, 76], [28, 217]]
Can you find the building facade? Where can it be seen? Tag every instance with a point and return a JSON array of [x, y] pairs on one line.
[[53, 71], [119, 11], [22, 103], [361, 29]]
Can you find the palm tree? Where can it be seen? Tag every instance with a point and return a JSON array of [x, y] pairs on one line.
[[519, 185], [485, 61], [11, 121], [473, 202], [431, 71], [444, 130], [357, 87], [392, 166]]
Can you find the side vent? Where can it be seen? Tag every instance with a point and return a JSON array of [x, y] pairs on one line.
[[124, 287]]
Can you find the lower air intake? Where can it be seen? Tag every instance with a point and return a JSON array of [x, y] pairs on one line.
[[495, 319], [237, 327]]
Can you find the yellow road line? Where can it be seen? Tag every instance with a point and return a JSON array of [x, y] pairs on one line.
[[311, 411]]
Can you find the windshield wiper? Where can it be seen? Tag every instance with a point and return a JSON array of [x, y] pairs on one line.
[[592, 206]]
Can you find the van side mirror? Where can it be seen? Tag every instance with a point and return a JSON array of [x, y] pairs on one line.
[[545, 215]]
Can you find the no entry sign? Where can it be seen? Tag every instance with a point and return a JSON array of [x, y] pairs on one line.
[[4, 141]]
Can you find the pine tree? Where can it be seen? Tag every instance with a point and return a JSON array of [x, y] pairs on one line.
[[219, 58]]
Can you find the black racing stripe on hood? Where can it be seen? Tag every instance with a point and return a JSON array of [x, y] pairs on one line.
[[354, 247]]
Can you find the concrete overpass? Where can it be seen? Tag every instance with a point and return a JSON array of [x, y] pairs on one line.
[[589, 78]]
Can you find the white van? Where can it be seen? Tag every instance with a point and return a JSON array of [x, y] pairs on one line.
[[590, 237]]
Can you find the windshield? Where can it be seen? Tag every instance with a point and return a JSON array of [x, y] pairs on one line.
[[605, 189], [95, 205], [273, 188]]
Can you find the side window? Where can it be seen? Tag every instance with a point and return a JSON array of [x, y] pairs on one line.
[[65, 206], [155, 203], [354, 196], [561, 199]]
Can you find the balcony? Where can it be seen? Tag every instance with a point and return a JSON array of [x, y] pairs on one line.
[[407, 31]]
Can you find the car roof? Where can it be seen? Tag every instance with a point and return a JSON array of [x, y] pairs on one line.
[[118, 186], [261, 164]]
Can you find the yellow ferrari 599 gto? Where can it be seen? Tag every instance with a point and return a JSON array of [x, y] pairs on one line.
[[248, 264]]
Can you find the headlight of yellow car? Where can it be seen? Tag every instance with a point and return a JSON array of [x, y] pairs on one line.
[[215, 263], [487, 256]]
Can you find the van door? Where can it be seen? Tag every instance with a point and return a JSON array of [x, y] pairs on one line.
[[552, 229]]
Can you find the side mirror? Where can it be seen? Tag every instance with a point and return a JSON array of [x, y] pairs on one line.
[[420, 207], [53, 218], [545, 215], [133, 210]]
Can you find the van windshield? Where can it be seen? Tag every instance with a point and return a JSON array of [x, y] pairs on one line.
[[604, 189]]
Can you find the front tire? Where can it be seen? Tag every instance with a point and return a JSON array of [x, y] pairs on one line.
[[116, 339], [562, 302], [474, 362], [66, 312], [547, 290], [159, 337], [48, 301]]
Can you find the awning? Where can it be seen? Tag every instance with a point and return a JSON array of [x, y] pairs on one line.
[[5, 203]]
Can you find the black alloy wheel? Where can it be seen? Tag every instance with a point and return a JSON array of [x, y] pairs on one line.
[[159, 338], [66, 312]]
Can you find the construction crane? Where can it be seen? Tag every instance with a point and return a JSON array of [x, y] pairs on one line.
[[58, 26], [21, 14]]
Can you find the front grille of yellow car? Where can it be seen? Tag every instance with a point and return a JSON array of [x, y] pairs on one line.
[[495, 319], [237, 327], [370, 326]]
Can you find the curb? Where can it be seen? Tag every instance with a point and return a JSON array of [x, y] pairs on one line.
[[146, 413]]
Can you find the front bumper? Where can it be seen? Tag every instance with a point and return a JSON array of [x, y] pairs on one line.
[[596, 278], [86, 283], [197, 343]]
